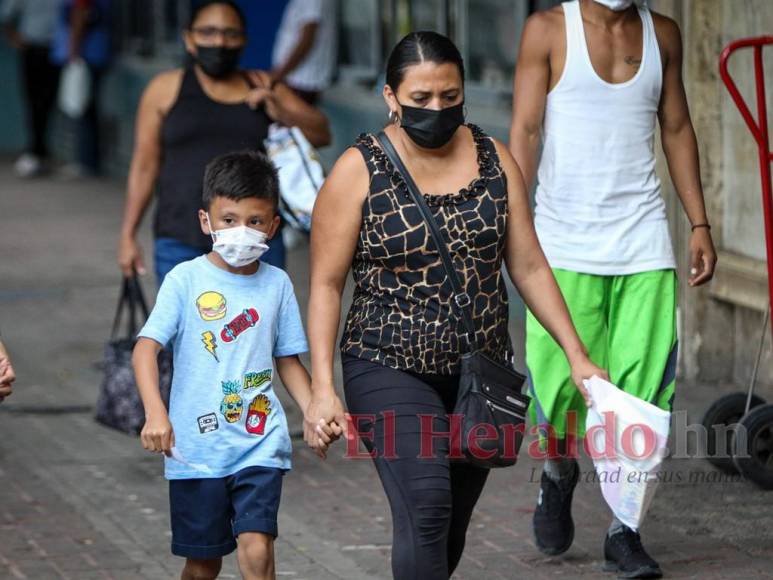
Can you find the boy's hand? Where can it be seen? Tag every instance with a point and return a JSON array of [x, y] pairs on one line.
[[157, 435], [324, 435], [7, 375]]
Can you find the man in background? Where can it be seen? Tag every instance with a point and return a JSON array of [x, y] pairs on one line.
[[592, 80], [304, 50], [83, 31], [29, 27]]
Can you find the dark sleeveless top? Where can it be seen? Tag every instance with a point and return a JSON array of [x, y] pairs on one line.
[[402, 314], [196, 130]]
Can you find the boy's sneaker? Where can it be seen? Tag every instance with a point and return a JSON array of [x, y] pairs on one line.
[[624, 554], [553, 524]]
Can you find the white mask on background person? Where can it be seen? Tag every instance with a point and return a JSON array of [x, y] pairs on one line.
[[238, 245], [616, 5]]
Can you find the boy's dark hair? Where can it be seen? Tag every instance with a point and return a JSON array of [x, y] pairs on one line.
[[239, 175]]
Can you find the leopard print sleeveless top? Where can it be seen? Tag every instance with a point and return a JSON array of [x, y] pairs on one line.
[[403, 315]]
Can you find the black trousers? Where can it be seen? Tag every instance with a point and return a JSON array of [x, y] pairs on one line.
[[431, 498], [41, 82], [89, 151]]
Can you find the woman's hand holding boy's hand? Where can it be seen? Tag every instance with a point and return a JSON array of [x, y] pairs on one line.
[[157, 435], [326, 408]]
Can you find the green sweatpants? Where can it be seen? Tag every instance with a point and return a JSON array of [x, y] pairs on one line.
[[627, 323]]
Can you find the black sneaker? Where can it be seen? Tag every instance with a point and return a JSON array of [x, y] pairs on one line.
[[553, 524], [624, 554]]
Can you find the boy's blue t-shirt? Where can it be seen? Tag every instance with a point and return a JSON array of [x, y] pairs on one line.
[[225, 330]]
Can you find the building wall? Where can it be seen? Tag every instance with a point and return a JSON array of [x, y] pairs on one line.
[[720, 324], [12, 132]]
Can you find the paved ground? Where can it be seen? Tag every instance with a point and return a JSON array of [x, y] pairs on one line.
[[80, 501]]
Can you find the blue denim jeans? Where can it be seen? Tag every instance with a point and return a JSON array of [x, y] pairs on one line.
[[168, 252]]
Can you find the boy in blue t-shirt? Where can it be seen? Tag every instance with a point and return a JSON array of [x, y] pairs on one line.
[[229, 317]]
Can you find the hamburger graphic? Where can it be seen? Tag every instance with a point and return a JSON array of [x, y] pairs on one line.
[[211, 306]]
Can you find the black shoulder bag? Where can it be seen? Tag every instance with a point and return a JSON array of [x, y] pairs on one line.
[[490, 413]]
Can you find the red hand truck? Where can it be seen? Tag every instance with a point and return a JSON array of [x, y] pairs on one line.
[[742, 422]]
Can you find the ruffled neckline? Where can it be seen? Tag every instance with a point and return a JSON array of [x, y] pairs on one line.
[[477, 186]]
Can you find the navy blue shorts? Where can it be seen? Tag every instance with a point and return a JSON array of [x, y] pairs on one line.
[[209, 514]]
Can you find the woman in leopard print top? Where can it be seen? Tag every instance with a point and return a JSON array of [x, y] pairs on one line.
[[403, 338]]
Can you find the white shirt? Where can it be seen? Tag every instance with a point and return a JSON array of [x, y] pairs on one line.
[[33, 19], [599, 208], [316, 70]]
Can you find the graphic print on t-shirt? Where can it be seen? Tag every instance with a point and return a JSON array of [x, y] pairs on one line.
[[256, 380], [208, 423], [231, 406], [210, 343], [258, 411], [246, 320], [217, 380], [211, 306]]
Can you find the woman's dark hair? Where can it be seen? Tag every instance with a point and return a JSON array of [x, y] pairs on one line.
[[199, 6], [418, 47]]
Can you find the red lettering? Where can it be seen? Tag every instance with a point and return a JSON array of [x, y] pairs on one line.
[[474, 437], [650, 441], [352, 442], [389, 435], [428, 435], [572, 447], [545, 445], [609, 429], [513, 435]]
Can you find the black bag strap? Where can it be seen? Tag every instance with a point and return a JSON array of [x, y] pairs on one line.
[[131, 298], [460, 296]]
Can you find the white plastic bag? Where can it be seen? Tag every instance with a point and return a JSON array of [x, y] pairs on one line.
[[627, 440], [300, 174], [75, 88]]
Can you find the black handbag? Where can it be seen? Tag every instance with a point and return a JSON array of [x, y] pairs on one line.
[[119, 405], [490, 413]]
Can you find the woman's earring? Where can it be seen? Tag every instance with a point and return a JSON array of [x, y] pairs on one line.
[[392, 116], [464, 112]]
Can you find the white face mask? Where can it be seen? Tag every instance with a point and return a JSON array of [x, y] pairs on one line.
[[239, 245], [616, 5]]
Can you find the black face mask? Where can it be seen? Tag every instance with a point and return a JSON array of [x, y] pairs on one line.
[[217, 61], [432, 129]]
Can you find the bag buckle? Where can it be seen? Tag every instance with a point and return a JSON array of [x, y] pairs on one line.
[[462, 300]]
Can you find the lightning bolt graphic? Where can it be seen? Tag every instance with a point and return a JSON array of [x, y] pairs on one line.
[[210, 343]]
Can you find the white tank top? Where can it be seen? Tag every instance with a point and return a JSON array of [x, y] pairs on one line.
[[598, 203]]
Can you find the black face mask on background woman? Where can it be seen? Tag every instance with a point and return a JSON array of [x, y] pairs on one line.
[[217, 61], [429, 128]]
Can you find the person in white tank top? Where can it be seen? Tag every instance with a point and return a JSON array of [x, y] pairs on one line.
[[592, 78]]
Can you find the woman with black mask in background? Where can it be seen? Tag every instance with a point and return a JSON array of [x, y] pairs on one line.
[[187, 117]]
